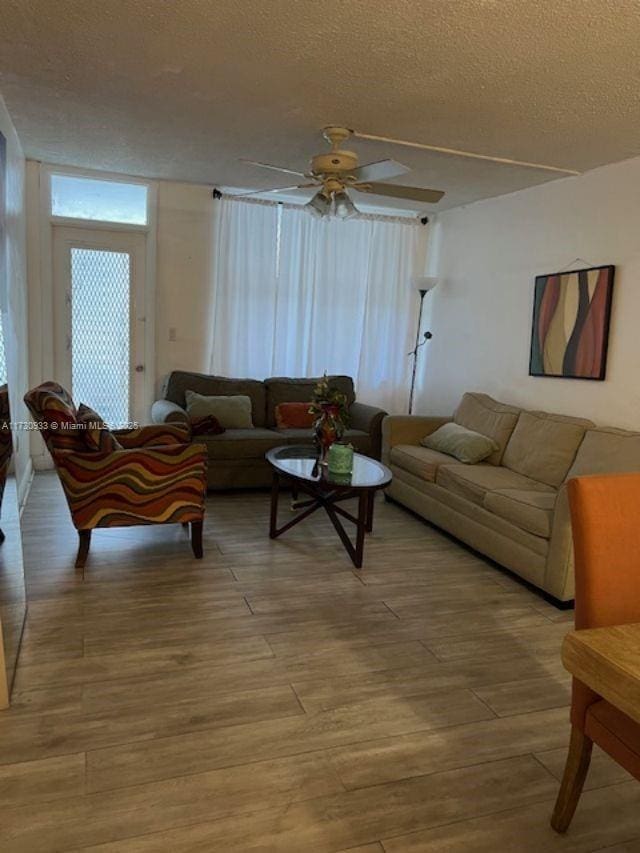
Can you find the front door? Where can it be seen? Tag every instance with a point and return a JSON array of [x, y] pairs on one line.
[[99, 319]]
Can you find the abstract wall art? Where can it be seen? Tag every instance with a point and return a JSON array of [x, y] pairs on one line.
[[571, 313]]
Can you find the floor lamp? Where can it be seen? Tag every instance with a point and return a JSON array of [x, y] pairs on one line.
[[423, 284]]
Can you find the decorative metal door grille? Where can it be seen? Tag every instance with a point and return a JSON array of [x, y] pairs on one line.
[[101, 332]]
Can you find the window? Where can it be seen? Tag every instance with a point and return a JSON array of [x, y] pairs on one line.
[[76, 197], [297, 296]]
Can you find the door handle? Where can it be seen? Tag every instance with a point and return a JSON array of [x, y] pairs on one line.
[[139, 368]]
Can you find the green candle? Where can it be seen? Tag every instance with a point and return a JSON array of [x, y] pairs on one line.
[[340, 458]]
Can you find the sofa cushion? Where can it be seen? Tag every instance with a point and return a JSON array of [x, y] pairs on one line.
[[543, 446], [483, 414], [240, 443], [282, 390], [463, 444], [232, 412], [294, 416], [360, 440], [421, 461], [474, 481], [217, 386], [530, 510], [607, 451]]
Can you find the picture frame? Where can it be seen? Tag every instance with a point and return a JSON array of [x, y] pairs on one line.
[[571, 323]]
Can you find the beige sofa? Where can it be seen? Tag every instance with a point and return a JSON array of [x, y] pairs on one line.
[[237, 457], [512, 507]]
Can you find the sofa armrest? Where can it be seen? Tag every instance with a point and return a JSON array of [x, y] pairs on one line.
[[164, 412], [559, 575], [368, 419], [407, 429]]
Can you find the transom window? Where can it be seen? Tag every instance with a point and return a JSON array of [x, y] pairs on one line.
[[76, 197]]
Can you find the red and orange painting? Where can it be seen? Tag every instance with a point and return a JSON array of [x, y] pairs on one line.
[[571, 314]]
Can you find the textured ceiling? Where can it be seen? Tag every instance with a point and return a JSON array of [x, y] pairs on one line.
[[181, 89]]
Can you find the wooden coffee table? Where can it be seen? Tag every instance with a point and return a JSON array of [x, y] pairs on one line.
[[299, 465]]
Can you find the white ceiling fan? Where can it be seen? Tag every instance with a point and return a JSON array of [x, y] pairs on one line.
[[334, 172]]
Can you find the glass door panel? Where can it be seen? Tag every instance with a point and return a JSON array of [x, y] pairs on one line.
[[101, 332]]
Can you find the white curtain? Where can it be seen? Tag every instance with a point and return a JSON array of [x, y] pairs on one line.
[[298, 296]]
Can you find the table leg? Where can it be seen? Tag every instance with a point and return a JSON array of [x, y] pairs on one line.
[[361, 528], [371, 499], [275, 494]]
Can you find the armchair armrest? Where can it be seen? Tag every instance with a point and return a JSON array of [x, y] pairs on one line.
[[148, 485], [407, 429], [154, 435], [164, 412], [368, 419]]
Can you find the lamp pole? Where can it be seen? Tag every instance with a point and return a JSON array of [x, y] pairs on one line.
[[414, 352]]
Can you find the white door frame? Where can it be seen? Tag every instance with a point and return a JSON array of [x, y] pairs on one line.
[[114, 240]]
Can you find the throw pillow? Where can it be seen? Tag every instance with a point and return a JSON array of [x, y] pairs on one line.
[[96, 434], [464, 444], [231, 412], [206, 425], [294, 416]]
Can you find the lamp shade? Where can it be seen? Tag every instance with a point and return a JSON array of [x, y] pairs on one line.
[[424, 282], [319, 206], [343, 206]]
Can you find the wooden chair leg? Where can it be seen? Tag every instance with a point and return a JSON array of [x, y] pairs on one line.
[[575, 772], [196, 539], [83, 548]]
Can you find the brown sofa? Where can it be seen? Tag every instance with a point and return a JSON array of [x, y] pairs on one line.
[[513, 506], [237, 457]]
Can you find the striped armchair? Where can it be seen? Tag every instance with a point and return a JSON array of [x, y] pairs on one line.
[[154, 476]]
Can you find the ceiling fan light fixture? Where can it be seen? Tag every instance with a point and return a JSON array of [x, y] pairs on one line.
[[344, 208], [319, 206]]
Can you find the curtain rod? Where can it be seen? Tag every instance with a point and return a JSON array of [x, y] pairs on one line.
[[403, 220]]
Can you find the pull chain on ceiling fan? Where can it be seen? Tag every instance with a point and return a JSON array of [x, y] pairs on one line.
[[334, 172]]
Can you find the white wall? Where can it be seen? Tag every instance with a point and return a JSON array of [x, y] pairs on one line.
[[488, 255], [183, 278], [15, 318]]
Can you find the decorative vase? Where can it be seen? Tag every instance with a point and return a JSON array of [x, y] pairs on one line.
[[327, 429]]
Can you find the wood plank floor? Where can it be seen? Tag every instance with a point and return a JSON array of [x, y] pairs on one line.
[[272, 698]]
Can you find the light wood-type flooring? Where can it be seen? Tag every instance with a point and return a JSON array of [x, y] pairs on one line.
[[272, 698]]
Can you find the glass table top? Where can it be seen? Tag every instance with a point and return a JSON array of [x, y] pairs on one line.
[[302, 463]]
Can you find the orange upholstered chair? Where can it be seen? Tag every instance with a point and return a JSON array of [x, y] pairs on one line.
[[605, 515]]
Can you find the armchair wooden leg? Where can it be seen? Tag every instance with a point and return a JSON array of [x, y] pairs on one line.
[[196, 539], [575, 772], [83, 548]]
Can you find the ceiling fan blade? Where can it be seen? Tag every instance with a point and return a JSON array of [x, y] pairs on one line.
[[272, 167], [380, 170], [457, 153], [396, 191], [276, 190]]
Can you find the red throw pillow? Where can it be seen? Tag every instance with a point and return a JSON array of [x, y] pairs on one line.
[[294, 416], [96, 434], [206, 425]]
